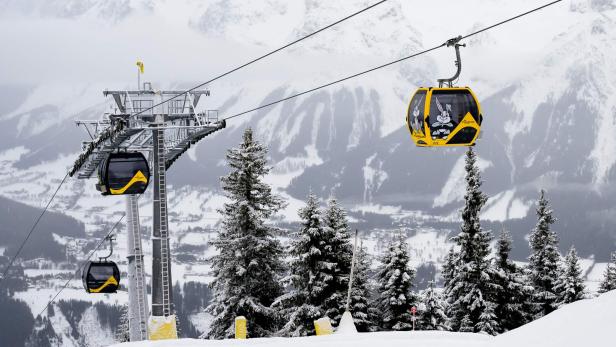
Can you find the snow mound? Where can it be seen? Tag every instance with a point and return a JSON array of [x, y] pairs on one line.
[[346, 326], [582, 323]]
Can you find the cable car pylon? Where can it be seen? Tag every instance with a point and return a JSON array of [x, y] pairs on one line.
[[161, 134]]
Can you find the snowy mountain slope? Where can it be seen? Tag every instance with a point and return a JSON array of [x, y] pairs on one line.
[[16, 221], [533, 138], [586, 322], [269, 22], [296, 150], [321, 140], [574, 87], [113, 10]]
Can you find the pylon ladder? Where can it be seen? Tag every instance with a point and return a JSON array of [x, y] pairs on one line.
[[162, 296]]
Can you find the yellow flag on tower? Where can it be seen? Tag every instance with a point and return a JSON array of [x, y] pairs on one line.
[[140, 65]]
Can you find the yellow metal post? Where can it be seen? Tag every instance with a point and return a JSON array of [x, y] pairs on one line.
[[163, 328], [323, 326], [240, 328]]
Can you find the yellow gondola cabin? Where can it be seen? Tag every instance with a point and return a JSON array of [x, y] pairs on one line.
[[439, 117]]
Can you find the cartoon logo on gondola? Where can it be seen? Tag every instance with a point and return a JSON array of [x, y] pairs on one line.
[[443, 125], [417, 123]]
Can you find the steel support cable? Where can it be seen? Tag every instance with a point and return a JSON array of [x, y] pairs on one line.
[[8, 267], [83, 263], [262, 57], [36, 222], [334, 82], [390, 63], [511, 19]]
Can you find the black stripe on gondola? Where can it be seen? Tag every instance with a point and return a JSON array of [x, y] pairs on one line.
[[465, 135]]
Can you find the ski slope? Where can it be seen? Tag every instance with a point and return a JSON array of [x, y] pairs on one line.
[[583, 323], [587, 323]]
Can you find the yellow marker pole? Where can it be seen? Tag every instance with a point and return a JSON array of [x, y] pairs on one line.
[[240, 328], [323, 326]]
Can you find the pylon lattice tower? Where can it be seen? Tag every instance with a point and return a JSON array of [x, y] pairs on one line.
[[163, 133]]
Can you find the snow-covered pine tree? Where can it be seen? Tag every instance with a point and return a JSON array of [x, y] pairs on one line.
[[448, 273], [43, 334], [470, 290], [512, 293], [432, 310], [310, 277], [248, 265], [570, 286], [395, 278], [609, 276], [339, 253], [488, 323], [360, 305], [178, 305], [544, 259], [122, 333], [450, 267]]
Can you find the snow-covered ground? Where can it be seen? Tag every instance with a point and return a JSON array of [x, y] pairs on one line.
[[583, 323], [389, 339]]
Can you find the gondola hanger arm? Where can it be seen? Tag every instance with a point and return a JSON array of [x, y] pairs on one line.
[[111, 239], [455, 43]]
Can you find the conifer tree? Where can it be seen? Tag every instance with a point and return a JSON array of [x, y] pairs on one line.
[[432, 310], [395, 278], [570, 286], [338, 252], [310, 277], [122, 333], [544, 259], [450, 267], [248, 266], [513, 295], [470, 290], [609, 276], [43, 334], [488, 323], [360, 306]]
